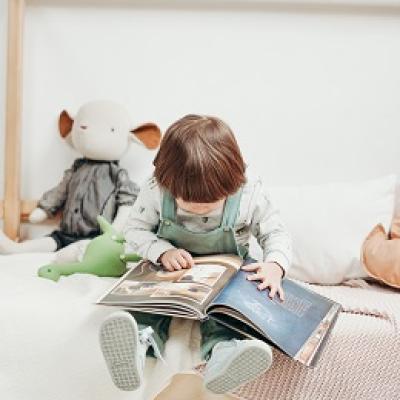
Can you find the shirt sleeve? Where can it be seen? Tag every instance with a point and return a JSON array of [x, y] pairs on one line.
[[54, 199], [127, 191], [141, 227], [271, 233]]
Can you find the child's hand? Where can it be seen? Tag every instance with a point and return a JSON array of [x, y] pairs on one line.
[[176, 259], [270, 274]]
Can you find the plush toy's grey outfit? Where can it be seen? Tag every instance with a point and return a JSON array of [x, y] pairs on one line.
[[88, 189]]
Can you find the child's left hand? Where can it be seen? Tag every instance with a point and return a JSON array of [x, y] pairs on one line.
[[270, 274]]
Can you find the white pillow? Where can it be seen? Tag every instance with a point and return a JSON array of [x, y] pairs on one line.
[[329, 223]]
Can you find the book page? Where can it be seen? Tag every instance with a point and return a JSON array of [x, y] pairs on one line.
[[192, 288], [288, 325]]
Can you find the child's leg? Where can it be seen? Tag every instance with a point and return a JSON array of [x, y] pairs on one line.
[[44, 244], [212, 333], [233, 361], [160, 325], [125, 339]]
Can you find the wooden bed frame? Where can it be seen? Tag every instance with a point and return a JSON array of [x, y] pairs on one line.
[[12, 206], [13, 209]]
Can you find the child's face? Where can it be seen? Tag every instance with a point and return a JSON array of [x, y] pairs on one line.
[[199, 208]]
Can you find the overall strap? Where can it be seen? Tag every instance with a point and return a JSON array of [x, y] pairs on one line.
[[231, 209], [168, 210]]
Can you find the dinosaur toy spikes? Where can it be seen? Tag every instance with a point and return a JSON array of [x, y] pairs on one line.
[[104, 256], [105, 226]]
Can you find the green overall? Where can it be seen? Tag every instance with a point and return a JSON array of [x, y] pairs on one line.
[[220, 240]]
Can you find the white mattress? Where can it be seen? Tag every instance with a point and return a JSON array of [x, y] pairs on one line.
[[49, 348], [49, 338]]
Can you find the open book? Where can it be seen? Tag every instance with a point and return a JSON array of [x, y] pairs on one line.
[[216, 288]]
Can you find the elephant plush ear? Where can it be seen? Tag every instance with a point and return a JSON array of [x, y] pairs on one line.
[[148, 134], [65, 123]]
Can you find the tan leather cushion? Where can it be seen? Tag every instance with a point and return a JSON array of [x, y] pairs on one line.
[[381, 256]]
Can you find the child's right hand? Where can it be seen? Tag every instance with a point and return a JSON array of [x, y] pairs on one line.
[[176, 259]]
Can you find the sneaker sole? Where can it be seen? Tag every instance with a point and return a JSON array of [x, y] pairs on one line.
[[119, 339], [246, 366]]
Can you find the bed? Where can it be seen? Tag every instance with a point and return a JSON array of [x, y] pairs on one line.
[[49, 346]]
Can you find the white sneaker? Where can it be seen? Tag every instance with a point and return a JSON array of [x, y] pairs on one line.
[[124, 349], [234, 363]]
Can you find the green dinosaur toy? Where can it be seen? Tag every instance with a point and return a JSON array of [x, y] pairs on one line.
[[104, 256]]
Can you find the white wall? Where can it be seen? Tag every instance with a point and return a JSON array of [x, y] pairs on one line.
[[313, 93]]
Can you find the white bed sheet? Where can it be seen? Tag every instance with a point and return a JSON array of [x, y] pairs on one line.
[[49, 338]]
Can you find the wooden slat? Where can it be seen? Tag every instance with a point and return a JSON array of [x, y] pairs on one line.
[[26, 207], [12, 206]]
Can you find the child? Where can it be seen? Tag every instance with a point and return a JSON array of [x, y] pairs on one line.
[[198, 202]]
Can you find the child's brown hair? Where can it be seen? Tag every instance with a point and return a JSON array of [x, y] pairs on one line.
[[199, 160]]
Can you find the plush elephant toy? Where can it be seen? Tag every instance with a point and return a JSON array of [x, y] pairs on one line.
[[104, 256], [95, 184]]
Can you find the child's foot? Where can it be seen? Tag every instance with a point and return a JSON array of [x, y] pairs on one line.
[[234, 363], [122, 350]]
